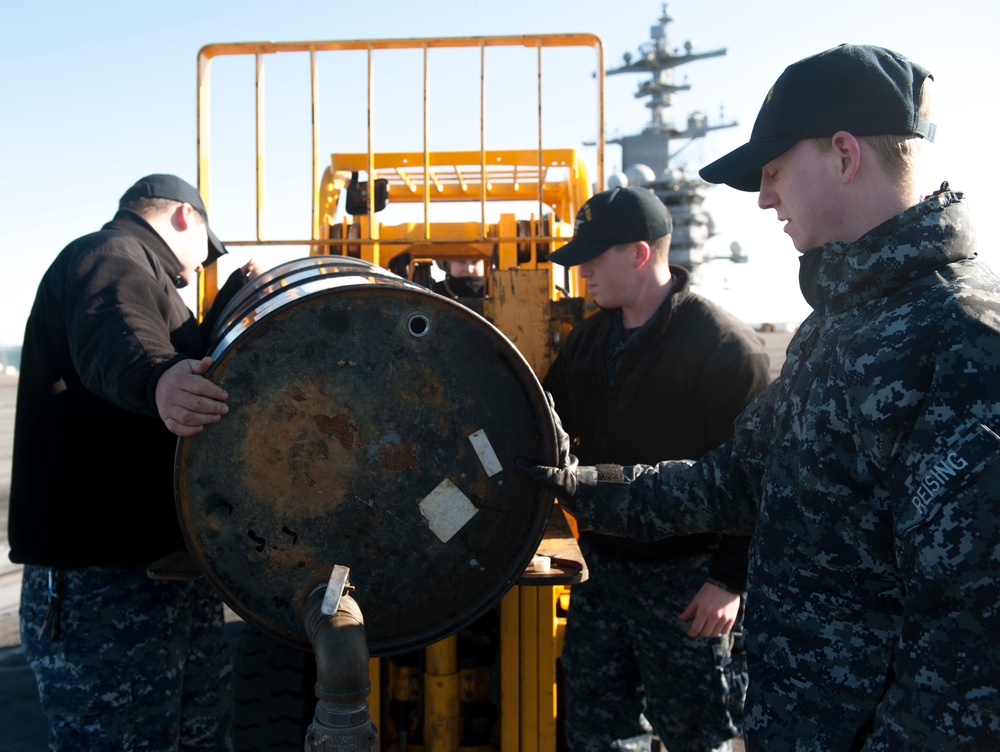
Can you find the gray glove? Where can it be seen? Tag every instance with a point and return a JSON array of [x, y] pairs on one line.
[[563, 481]]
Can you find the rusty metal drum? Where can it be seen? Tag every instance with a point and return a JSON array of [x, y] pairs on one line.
[[372, 424]]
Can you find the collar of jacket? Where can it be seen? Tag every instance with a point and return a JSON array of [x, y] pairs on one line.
[[680, 284], [132, 224], [932, 234], [656, 325]]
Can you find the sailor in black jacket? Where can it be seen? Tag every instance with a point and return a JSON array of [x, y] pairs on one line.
[[111, 370], [658, 372]]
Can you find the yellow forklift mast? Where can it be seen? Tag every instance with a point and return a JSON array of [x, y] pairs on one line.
[[509, 207]]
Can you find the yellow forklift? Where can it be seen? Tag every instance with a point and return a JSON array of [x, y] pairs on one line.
[[364, 476]]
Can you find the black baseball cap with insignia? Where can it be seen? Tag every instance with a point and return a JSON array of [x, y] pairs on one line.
[[173, 188], [614, 217], [861, 89]]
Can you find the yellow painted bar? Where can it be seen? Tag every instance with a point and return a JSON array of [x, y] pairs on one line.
[[510, 671], [314, 97], [523, 40], [442, 693], [547, 654], [482, 130], [541, 168], [373, 223], [529, 669], [426, 195], [259, 141], [208, 280]]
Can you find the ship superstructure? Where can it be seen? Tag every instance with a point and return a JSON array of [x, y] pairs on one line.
[[647, 157]]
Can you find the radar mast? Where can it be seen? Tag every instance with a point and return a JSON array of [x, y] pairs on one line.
[[647, 157]]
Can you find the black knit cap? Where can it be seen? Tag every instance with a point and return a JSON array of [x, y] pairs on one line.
[[864, 90], [173, 188], [620, 215]]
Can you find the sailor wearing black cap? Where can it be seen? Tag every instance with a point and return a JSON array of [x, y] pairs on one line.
[[658, 373], [112, 359], [172, 189], [869, 472]]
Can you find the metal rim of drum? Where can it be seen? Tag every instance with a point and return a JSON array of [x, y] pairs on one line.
[[359, 475], [277, 281]]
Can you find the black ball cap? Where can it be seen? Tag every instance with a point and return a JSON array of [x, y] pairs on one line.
[[173, 188], [864, 90], [614, 217]]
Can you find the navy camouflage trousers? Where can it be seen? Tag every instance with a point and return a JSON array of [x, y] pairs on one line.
[[127, 663], [626, 653]]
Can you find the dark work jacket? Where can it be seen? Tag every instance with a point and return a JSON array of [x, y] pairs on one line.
[[92, 474], [675, 397]]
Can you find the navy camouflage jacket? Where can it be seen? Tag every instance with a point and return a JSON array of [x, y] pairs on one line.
[[868, 471]]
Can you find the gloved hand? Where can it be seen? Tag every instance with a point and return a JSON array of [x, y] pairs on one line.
[[561, 480]]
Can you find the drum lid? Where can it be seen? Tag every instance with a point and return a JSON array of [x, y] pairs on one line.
[[372, 425]]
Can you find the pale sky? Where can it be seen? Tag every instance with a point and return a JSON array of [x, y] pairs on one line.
[[95, 95]]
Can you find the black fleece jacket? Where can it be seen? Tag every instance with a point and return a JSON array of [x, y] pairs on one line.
[[92, 474], [675, 397]]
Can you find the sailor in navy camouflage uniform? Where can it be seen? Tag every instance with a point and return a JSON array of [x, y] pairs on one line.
[[869, 470]]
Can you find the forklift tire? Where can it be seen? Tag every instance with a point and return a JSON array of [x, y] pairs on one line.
[[273, 693]]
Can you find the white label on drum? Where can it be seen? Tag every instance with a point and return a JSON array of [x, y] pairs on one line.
[[491, 463], [446, 510]]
